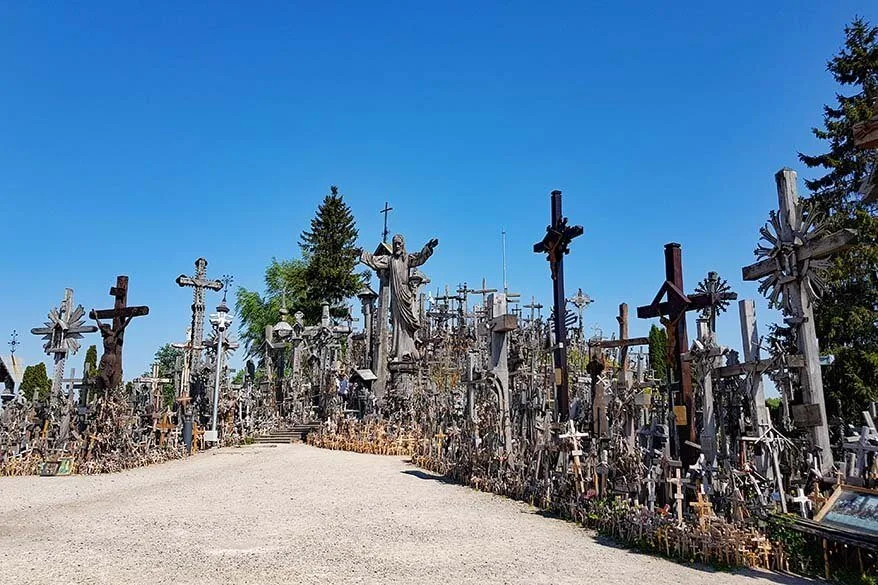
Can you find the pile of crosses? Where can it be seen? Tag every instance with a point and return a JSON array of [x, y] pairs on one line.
[[365, 437], [509, 401]]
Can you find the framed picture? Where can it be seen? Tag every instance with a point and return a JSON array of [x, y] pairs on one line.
[[851, 508], [65, 466], [49, 468]]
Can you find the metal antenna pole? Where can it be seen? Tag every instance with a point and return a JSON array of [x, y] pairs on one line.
[[505, 283]]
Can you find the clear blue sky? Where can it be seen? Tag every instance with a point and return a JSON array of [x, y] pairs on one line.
[[137, 137]]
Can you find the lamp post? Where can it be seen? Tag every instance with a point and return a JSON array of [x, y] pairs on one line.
[[221, 320]]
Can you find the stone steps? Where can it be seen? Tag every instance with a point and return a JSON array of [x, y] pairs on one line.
[[295, 434]]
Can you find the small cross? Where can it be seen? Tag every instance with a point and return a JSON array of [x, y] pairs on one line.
[[387, 209], [13, 342]]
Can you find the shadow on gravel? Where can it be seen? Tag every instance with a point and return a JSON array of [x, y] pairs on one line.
[[423, 475]]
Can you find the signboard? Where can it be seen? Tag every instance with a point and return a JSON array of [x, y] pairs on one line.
[[851, 508]]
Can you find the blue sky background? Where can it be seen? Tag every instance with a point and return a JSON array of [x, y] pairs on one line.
[[139, 136]]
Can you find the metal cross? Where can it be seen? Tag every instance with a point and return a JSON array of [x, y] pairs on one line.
[[387, 209], [13, 342]]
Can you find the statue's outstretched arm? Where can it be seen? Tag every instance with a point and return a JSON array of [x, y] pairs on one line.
[[374, 262], [422, 256]]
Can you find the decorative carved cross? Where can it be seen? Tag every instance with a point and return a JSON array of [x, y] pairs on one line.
[[199, 283], [789, 270], [62, 333]]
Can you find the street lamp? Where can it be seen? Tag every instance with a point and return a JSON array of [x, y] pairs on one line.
[[221, 320]]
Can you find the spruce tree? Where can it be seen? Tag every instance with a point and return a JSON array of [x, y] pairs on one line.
[[330, 252], [35, 383], [658, 348], [846, 317]]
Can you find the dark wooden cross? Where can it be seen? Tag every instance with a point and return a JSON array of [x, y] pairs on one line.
[[673, 313], [387, 209], [556, 244], [110, 369]]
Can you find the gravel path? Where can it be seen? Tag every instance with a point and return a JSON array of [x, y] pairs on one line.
[[297, 514]]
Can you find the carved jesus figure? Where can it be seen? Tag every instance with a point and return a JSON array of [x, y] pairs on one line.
[[403, 304]]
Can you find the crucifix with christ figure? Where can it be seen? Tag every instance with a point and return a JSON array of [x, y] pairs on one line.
[[110, 367]]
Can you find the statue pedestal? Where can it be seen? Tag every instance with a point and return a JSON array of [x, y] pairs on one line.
[[401, 387]]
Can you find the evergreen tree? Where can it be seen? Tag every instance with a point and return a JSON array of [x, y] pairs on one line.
[[330, 252], [846, 317], [658, 348], [35, 383], [90, 368]]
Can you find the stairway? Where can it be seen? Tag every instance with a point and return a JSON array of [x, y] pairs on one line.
[[293, 434]]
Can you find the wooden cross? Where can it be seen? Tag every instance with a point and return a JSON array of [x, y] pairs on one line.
[[575, 452], [804, 502], [110, 376], [676, 306], [702, 507], [154, 381], [556, 244], [440, 436], [789, 273], [62, 333], [862, 446], [678, 483]]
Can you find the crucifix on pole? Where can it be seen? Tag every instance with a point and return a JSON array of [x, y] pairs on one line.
[[673, 315], [556, 244], [789, 273]]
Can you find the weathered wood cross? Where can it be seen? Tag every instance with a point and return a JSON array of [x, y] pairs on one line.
[[155, 382], [789, 271]]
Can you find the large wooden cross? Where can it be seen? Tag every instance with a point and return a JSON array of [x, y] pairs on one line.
[[556, 244], [676, 306], [110, 369], [789, 273]]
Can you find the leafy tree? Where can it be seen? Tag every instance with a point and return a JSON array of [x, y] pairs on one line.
[[658, 347], [166, 357], [330, 252], [846, 317], [284, 279], [35, 383]]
